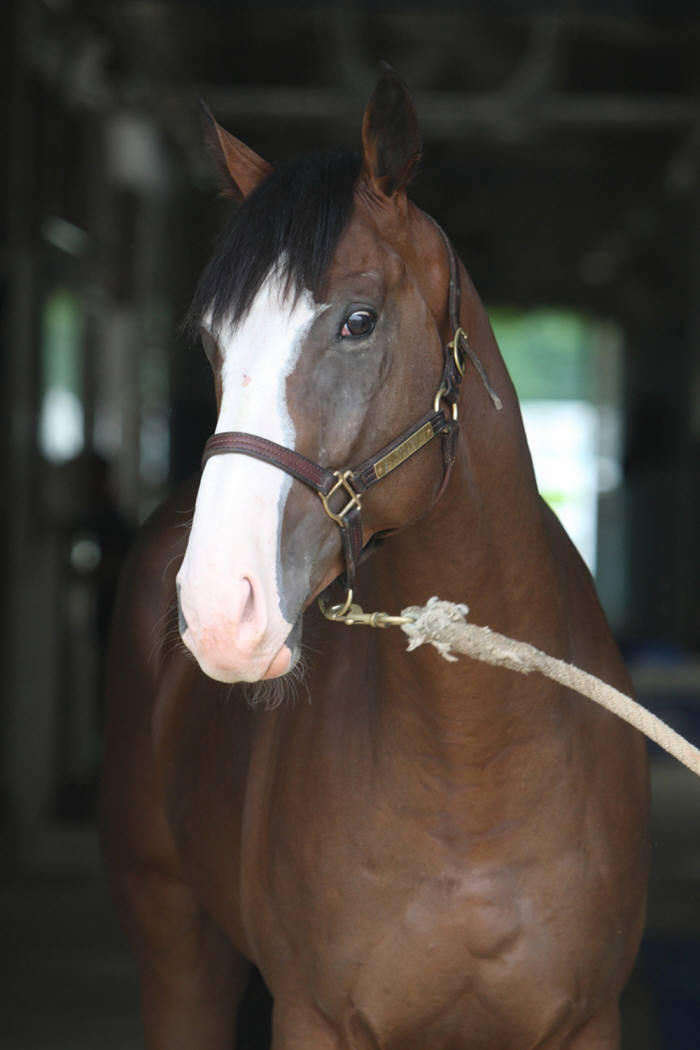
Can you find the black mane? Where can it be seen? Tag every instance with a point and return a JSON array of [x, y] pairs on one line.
[[294, 220]]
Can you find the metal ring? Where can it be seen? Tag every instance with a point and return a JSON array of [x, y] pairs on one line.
[[459, 356], [336, 612], [438, 398]]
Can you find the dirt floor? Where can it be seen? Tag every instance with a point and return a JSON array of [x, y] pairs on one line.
[[68, 980]]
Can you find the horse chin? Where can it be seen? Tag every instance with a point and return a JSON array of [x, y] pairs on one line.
[[281, 664], [284, 678], [288, 656]]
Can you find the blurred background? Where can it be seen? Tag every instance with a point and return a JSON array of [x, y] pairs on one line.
[[562, 154]]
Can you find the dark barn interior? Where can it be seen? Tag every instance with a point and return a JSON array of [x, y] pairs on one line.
[[561, 153]]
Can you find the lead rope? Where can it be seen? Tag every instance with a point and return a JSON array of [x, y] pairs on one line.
[[444, 625]]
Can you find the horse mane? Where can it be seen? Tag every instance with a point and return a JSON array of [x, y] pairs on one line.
[[290, 223]]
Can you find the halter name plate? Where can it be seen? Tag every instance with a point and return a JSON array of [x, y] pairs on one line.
[[394, 458]]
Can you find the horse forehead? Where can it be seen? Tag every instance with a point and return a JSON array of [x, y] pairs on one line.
[[397, 245], [366, 247], [269, 338]]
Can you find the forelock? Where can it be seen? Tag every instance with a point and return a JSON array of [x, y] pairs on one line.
[[290, 225]]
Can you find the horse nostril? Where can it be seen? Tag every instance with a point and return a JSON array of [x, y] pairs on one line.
[[181, 621]]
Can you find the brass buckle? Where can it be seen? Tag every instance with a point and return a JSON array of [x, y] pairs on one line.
[[459, 357], [458, 354], [343, 482]]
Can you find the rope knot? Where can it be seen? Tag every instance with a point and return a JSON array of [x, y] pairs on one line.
[[431, 622], [444, 625]]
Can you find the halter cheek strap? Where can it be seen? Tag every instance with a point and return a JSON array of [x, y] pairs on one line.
[[341, 491]]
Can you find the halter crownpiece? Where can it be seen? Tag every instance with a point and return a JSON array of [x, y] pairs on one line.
[[341, 491]]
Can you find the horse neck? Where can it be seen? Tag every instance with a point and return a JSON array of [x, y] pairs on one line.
[[490, 543], [489, 538]]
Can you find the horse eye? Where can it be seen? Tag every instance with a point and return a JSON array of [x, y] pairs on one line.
[[358, 323]]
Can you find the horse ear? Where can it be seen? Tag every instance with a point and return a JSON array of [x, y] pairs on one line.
[[391, 142], [240, 168]]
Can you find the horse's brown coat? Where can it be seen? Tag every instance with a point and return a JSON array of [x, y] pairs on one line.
[[417, 855]]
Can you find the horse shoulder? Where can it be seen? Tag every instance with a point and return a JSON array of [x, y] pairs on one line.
[[137, 658], [613, 776], [145, 617], [591, 643], [193, 974]]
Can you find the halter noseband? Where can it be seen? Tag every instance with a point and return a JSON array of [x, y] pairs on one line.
[[341, 491]]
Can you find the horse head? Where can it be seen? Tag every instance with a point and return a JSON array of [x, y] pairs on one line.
[[324, 313]]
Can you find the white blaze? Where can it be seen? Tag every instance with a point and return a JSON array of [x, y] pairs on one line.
[[230, 574]]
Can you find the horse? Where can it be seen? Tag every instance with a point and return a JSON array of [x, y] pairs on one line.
[[413, 853]]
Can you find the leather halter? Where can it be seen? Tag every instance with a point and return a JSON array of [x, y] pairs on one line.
[[341, 491]]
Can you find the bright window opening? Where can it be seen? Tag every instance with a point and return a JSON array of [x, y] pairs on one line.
[[567, 370], [61, 417]]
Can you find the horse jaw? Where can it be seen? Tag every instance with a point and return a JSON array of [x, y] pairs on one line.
[[236, 618]]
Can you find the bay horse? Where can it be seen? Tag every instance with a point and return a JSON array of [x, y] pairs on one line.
[[416, 855]]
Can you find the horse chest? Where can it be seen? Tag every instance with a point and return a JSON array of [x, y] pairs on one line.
[[367, 894], [410, 944], [363, 897]]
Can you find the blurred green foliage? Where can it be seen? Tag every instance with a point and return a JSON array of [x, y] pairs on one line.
[[548, 353]]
